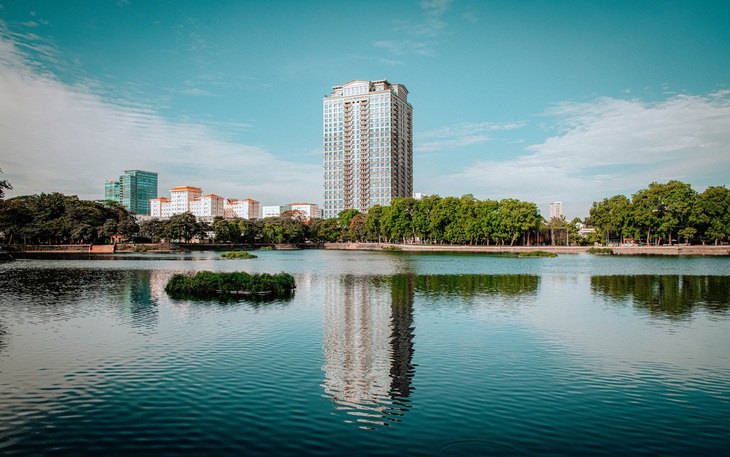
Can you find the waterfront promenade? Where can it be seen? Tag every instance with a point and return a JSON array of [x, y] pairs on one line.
[[675, 250]]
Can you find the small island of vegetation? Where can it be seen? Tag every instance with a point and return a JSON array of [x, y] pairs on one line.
[[537, 254], [600, 251], [238, 255], [206, 284]]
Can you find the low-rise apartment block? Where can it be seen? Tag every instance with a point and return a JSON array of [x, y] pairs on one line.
[[204, 207]]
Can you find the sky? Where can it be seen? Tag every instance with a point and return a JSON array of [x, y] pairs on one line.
[[543, 101]]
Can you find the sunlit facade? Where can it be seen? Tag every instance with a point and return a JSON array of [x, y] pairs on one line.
[[368, 145]]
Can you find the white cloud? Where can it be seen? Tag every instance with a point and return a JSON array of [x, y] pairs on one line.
[[459, 135], [611, 146], [67, 138]]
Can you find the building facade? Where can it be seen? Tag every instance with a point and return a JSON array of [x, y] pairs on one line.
[[136, 189], [111, 191], [368, 145], [185, 199], [306, 210], [556, 210], [247, 208], [274, 210]]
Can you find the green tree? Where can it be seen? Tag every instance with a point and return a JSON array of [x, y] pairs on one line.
[[4, 185], [711, 214], [183, 227], [612, 215]]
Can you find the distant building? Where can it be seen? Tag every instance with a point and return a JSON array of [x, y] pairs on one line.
[[308, 210], [185, 199], [182, 196], [247, 208], [274, 211], [556, 210], [111, 191], [368, 145], [208, 207], [136, 189]]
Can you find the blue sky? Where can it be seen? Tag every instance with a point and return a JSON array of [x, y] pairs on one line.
[[543, 101]]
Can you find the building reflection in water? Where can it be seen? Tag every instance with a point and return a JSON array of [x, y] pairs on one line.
[[368, 347], [139, 303]]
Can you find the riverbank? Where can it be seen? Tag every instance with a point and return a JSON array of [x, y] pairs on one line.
[[676, 250]]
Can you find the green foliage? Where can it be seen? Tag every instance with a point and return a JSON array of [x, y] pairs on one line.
[[238, 255], [267, 248], [391, 248], [600, 251], [665, 213], [4, 185], [206, 284], [537, 254], [56, 218]]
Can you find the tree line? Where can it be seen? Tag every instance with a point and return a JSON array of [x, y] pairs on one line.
[[664, 214]]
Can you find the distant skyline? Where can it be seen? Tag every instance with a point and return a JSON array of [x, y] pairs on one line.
[[546, 101]]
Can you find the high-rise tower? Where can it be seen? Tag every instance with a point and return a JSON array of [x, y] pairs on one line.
[[368, 145], [136, 189]]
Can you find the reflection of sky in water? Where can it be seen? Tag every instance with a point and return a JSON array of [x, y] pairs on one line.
[[525, 353]]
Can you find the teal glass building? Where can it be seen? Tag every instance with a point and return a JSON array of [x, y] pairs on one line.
[[136, 189]]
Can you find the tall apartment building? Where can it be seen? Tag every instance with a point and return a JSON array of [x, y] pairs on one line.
[[136, 189], [556, 210], [368, 145]]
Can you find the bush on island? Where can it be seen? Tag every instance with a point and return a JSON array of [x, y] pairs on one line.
[[601, 251], [238, 255], [537, 254], [207, 284]]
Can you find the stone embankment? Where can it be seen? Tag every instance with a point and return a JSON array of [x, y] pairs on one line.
[[675, 250]]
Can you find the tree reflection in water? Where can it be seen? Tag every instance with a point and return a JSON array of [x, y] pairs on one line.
[[671, 296]]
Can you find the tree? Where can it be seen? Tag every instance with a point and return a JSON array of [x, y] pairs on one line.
[[612, 215], [183, 227], [711, 213], [4, 185], [517, 218]]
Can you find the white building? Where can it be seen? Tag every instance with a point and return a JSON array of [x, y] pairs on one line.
[[307, 210], [368, 145], [190, 199], [241, 209], [208, 207], [556, 210], [160, 208], [181, 197], [274, 211]]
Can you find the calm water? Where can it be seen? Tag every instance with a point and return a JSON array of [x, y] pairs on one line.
[[375, 354]]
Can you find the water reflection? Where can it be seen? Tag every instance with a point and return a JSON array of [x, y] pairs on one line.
[[470, 285], [61, 293], [368, 347], [673, 296]]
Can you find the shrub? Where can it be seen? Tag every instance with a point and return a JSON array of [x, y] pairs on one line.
[[537, 254], [601, 251], [238, 255], [207, 284]]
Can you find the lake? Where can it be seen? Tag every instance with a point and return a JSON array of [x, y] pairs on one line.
[[376, 353]]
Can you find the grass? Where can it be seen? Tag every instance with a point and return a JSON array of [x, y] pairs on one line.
[[600, 251], [238, 255], [266, 248], [537, 254], [206, 284]]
